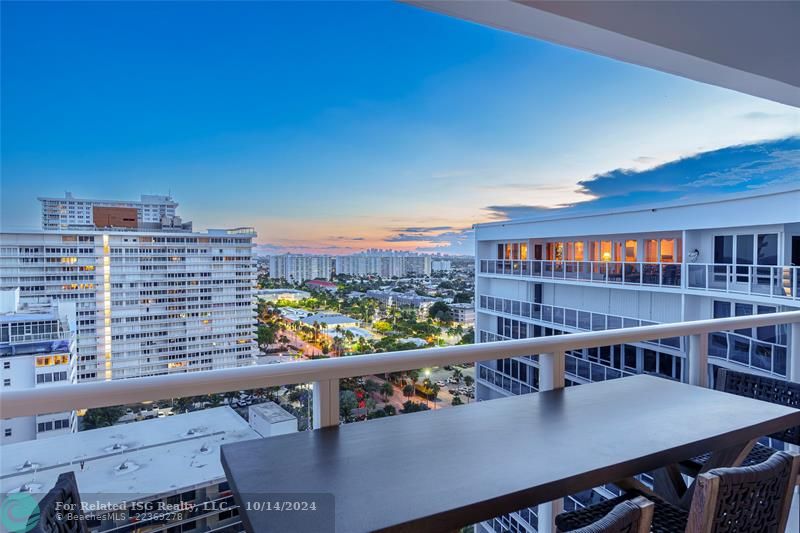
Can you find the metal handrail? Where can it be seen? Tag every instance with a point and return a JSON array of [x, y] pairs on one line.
[[29, 402]]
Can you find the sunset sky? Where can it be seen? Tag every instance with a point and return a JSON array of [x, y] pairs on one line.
[[334, 127]]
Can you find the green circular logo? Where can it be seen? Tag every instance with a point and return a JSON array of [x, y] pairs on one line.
[[19, 512]]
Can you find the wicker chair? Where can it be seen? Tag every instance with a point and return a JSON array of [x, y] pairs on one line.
[[770, 390], [739, 499], [50, 516], [628, 516]]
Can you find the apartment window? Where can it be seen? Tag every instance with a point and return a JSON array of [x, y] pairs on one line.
[[723, 249], [651, 251], [605, 250], [7, 382], [630, 250], [6, 364], [670, 250], [768, 249], [579, 256], [7, 432]]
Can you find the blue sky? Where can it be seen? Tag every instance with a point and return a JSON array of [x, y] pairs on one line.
[[338, 126]]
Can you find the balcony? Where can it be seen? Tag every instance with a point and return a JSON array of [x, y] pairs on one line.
[[549, 354], [780, 282]]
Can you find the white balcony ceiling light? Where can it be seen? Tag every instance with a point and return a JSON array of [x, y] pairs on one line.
[[748, 46]]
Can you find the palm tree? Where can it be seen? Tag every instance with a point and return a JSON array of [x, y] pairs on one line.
[[457, 374], [387, 391], [468, 381], [408, 391], [435, 392]]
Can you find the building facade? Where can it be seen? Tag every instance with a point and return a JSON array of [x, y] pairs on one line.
[[147, 302], [387, 265], [556, 275], [150, 211], [463, 313], [37, 350], [298, 268]]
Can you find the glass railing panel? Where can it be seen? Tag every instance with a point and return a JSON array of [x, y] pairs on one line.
[[671, 275], [651, 274], [761, 355], [697, 276], [598, 322], [571, 317], [633, 273], [614, 272], [558, 315]]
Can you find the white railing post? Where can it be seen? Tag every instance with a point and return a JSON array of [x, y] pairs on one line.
[[794, 352], [325, 403], [551, 377], [698, 360]]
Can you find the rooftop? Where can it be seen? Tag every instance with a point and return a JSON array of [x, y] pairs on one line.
[[329, 319], [271, 412], [162, 456]]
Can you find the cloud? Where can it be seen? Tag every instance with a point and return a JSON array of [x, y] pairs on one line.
[[727, 170], [761, 115], [422, 229]]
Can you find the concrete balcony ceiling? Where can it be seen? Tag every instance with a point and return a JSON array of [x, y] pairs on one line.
[[748, 46]]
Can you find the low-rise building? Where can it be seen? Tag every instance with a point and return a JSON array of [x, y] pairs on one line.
[[270, 419], [463, 313], [321, 285], [273, 295], [401, 299], [173, 460]]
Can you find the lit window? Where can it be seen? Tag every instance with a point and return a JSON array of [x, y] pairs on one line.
[[650, 251], [630, 250]]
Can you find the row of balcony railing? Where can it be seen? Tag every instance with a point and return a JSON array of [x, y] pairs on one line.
[[768, 355], [571, 318], [771, 281], [549, 352]]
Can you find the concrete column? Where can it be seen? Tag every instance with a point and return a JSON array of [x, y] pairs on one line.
[[551, 371], [794, 352], [698, 360], [325, 403], [551, 377]]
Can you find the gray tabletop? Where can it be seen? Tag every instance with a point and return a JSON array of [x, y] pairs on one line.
[[440, 470]]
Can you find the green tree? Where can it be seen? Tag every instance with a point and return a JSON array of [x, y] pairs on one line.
[[468, 381], [412, 407], [347, 402], [441, 312], [102, 417], [371, 385], [456, 401], [387, 390], [408, 391], [265, 334]]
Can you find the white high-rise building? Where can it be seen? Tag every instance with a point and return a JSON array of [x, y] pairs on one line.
[[385, 265], [589, 272], [150, 212], [298, 268], [147, 302], [37, 349]]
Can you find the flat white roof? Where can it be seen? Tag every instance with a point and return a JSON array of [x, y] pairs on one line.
[[271, 412], [163, 456], [751, 209]]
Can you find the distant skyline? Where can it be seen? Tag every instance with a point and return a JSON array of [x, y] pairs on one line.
[[335, 127]]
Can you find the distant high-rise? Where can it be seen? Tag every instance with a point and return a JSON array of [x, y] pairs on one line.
[[148, 300], [385, 265], [298, 268], [150, 212]]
